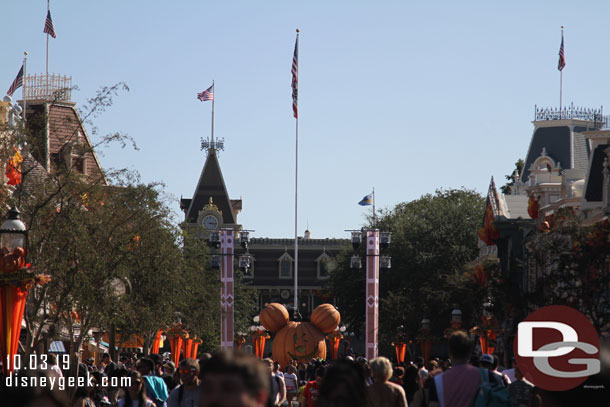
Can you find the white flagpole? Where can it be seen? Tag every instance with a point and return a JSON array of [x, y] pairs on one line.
[[296, 200], [561, 80], [23, 94], [47, 70], [213, 99], [374, 213]]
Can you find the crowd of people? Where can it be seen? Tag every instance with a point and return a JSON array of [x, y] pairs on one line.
[[239, 379]]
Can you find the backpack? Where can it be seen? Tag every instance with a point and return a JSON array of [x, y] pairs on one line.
[[491, 393]]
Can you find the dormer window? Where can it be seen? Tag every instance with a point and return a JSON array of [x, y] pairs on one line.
[[326, 265], [285, 266]]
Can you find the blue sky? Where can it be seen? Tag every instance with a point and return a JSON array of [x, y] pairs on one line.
[[406, 97]]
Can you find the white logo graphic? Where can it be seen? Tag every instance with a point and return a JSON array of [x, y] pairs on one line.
[[568, 344]]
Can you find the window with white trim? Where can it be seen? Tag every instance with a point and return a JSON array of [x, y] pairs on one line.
[[285, 266]]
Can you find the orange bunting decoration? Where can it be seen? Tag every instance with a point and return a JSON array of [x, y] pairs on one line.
[[533, 207], [13, 168], [488, 233]]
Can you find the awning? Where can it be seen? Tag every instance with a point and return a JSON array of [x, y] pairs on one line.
[[57, 347]]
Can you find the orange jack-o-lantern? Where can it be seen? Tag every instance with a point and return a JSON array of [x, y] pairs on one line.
[[299, 340]]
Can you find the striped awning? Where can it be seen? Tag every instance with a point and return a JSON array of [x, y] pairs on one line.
[[57, 347]]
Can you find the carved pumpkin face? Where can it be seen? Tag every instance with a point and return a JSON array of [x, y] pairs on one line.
[[299, 341]]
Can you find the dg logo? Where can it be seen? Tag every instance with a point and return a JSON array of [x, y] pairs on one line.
[[557, 348]]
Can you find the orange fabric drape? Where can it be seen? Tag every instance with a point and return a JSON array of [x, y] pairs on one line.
[[176, 345], [334, 346], [488, 342], [401, 349], [156, 343], [12, 306], [426, 347], [259, 345], [187, 347]]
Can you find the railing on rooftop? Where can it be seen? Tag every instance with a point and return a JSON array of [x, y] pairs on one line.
[[573, 112], [48, 87]]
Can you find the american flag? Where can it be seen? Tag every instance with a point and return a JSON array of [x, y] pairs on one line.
[[295, 78], [207, 94], [48, 25], [17, 83], [562, 56]]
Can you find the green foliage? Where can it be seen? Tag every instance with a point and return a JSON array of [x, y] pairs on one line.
[[510, 177], [572, 258], [433, 238]]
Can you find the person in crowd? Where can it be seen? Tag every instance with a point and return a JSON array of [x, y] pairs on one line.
[[520, 390], [510, 373], [169, 372], [187, 394], [312, 388], [291, 381], [54, 369], [278, 386], [116, 392], [135, 394], [490, 363], [234, 379], [458, 385], [158, 361], [382, 392], [156, 389], [421, 397], [107, 365], [398, 376], [342, 386], [411, 382]]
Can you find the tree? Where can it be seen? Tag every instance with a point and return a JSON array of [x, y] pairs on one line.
[[573, 259], [433, 238], [506, 188]]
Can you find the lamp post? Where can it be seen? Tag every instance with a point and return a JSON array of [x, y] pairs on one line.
[[374, 239], [15, 282]]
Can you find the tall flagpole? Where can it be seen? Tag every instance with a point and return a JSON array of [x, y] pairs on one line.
[[25, 58], [213, 99], [374, 212], [561, 56], [295, 68], [47, 70]]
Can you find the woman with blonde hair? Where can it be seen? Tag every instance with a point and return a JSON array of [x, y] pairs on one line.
[[382, 392]]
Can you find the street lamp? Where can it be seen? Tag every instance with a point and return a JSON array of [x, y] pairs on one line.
[[13, 233], [15, 282]]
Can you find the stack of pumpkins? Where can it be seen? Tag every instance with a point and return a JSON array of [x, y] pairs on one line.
[[300, 341]]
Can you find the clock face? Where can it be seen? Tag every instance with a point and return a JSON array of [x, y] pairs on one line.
[[210, 222]]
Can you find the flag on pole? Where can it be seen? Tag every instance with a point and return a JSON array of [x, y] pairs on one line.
[[295, 78], [367, 200], [562, 56], [207, 94], [48, 25], [17, 83]]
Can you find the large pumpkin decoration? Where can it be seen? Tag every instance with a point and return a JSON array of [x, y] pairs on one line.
[[326, 318], [298, 340], [274, 317]]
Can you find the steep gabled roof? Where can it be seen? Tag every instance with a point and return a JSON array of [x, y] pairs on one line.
[[211, 184]]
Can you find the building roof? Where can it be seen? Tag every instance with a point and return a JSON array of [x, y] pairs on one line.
[[595, 178], [211, 184]]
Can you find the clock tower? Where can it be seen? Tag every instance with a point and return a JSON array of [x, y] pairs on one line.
[[210, 208]]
